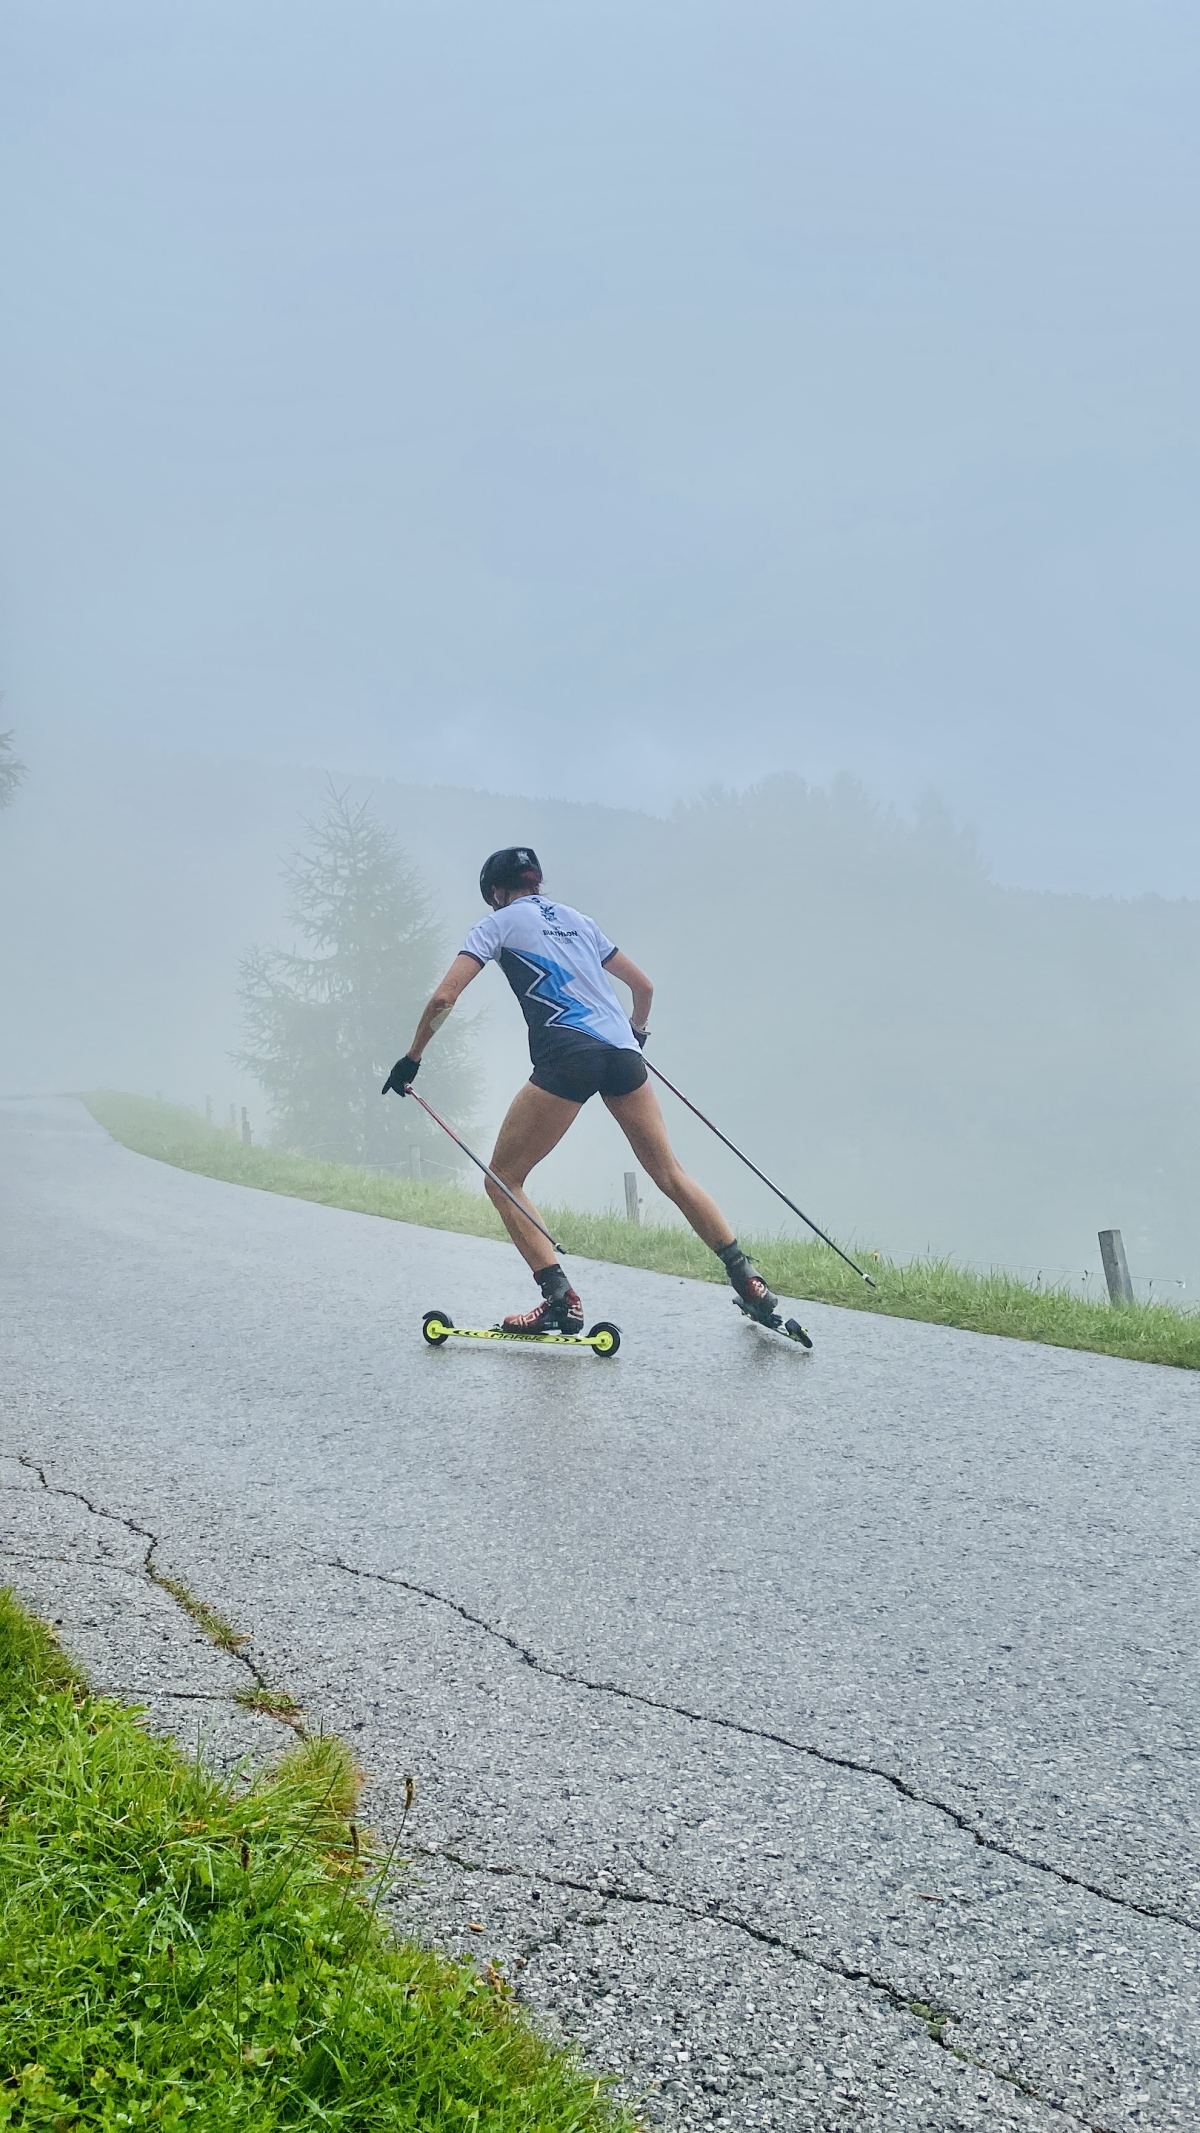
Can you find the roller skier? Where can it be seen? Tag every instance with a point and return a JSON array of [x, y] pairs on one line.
[[581, 1044]]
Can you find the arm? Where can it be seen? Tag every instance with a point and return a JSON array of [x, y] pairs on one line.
[[455, 982], [619, 966]]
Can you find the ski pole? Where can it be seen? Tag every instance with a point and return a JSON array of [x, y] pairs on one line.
[[486, 1169], [759, 1173]]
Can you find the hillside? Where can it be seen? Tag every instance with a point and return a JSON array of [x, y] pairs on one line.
[[930, 1061]]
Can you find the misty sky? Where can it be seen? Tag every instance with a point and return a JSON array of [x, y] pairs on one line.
[[601, 399]]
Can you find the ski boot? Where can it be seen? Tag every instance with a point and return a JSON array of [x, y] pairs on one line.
[[560, 1310], [750, 1288]]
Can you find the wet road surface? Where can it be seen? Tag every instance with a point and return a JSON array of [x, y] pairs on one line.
[[814, 1738]]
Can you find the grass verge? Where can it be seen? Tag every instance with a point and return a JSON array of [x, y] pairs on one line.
[[931, 1289], [182, 1951]]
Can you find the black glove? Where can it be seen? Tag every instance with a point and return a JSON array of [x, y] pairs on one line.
[[402, 1073], [641, 1035]]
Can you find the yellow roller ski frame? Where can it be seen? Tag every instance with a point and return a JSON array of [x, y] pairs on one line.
[[603, 1339]]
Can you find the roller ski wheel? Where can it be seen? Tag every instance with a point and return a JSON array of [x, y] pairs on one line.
[[603, 1338], [789, 1329]]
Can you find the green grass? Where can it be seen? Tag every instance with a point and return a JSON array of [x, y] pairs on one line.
[[214, 1625], [931, 1289], [179, 1951]]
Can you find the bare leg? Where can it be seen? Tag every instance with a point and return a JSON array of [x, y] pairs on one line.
[[535, 1123], [641, 1121]]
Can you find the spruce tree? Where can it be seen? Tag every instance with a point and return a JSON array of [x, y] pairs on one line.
[[324, 1028], [11, 771]]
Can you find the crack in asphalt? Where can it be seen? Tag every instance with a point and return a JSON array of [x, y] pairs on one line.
[[933, 2020], [154, 1577], [573, 1914], [174, 1695], [117, 1518], [715, 1913], [898, 1784], [555, 1939]]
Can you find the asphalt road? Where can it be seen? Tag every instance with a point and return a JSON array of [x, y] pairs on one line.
[[759, 1705]]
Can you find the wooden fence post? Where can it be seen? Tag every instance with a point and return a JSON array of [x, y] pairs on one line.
[[632, 1203], [245, 1128], [1116, 1267]]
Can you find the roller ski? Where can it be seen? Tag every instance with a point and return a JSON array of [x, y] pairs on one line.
[[558, 1319], [754, 1299], [789, 1329], [557, 1322], [603, 1339]]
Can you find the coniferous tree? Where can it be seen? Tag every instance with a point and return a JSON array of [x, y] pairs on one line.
[[11, 771], [324, 1028]]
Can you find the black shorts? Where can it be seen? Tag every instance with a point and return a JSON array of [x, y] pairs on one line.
[[576, 1066]]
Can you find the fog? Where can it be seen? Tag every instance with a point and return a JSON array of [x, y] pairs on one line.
[[749, 451], [927, 1060]]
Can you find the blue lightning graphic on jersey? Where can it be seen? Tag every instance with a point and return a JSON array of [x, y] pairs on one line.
[[550, 989]]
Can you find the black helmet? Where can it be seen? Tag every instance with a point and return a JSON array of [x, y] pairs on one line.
[[517, 867]]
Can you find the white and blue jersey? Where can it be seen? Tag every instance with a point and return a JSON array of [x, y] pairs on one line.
[[553, 957]]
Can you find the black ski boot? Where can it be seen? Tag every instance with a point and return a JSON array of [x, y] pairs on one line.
[[560, 1310], [752, 1291]]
